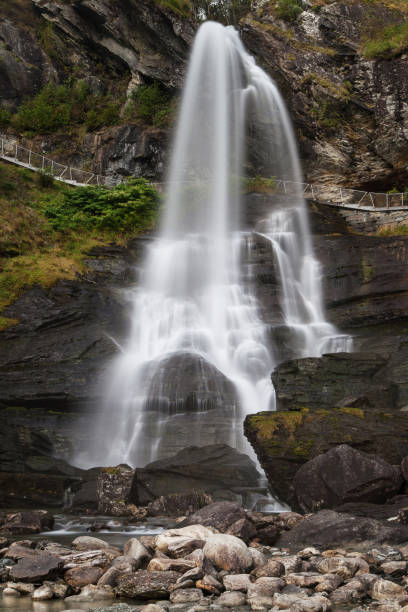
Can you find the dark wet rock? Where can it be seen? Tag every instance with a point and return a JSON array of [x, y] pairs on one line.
[[186, 382], [37, 568], [377, 511], [220, 515], [187, 385], [147, 585], [325, 401], [244, 529], [19, 523], [343, 475], [404, 468], [327, 528], [333, 380], [217, 470], [114, 490], [178, 504]]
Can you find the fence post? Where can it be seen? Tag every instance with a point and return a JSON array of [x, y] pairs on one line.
[[29, 157], [16, 157]]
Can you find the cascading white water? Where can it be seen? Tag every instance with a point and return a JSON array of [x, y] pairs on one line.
[[193, 307]]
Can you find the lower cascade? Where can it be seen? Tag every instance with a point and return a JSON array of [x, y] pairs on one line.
[[198, 357]]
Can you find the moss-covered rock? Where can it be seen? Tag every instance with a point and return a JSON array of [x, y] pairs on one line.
[[356, 399]]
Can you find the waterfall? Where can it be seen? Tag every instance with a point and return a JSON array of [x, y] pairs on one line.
[[199, 357]]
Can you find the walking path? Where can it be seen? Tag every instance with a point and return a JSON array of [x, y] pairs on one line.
[[355, 199]]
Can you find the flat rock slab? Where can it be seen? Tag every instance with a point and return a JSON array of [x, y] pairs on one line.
[[37, 568], [328, 528], [147, 585]]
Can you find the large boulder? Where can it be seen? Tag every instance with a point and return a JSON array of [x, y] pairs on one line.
[[218, 470], [228, 553], [147, 585], [327, 529], [186, 382], [203, 398], [343, 475], [358, 398]]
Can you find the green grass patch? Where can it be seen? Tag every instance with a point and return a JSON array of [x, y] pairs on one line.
[[388, 42], [393, 230], [259, 184], [180, 7]]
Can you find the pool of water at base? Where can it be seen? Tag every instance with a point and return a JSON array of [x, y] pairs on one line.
[[114, 531]]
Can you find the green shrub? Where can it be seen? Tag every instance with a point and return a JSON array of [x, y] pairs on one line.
[[57, 107], [289, 10], [152, 104], [109, 115], [5, 117], [388, 42], [45, 180], [329, 114], [127, 207], [181, 7]]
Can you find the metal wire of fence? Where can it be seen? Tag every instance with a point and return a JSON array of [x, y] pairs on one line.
[[13, 152]]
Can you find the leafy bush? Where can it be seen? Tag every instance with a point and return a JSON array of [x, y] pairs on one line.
[[45, 180], [128, 207], [152, 104], [5, 117], [109, 115], [388, 42], [329, 114], [181, 7], [289, 10], [56, 107]]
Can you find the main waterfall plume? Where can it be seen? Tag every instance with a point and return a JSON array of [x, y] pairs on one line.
[[198, 345]]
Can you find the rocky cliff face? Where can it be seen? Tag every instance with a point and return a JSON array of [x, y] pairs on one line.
[[351, 113], [114, 48]]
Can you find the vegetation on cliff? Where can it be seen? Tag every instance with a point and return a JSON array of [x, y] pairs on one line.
[[47, 231]]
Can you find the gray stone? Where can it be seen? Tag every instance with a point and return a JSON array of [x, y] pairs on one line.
[[237, 582], [231, 599], [89, 543], [186, 596], [43, 593], [147, 585], [135, 549], [92, 593], [37, 568], [228, 553]]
